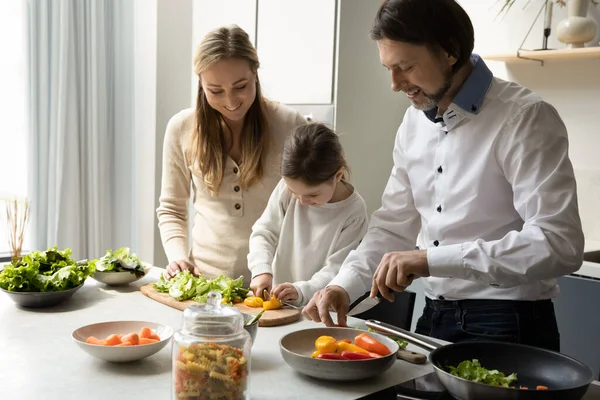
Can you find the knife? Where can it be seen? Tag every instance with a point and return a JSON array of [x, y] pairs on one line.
[[364, 305]]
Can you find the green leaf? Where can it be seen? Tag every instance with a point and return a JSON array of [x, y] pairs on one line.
[[121, 260], [473, 371], [48, 271], [185, 286]]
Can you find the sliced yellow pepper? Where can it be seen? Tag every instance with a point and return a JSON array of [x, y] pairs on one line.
[[271, 304], [253, 301], [341, 346], [326, 344]]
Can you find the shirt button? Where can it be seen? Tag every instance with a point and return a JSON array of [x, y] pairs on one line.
[[436, 243], [439, 208], [442, 298], [440, 169], [236, 188], [235, 170], [238, 206]]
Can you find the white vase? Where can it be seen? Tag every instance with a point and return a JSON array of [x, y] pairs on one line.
[[577, 29]]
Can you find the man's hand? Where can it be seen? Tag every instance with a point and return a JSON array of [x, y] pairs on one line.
[[397, 270], [260, 283], [285, 292], [179, 266], [331, 298]]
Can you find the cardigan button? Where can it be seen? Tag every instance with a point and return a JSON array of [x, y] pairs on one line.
[[238, 206]]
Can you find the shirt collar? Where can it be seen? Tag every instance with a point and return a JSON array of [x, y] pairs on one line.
[[472, 92]]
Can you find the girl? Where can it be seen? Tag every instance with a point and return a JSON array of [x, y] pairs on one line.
[[314, 218], [226, 151]]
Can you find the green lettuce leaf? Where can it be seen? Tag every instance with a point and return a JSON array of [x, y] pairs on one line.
[[121, 260], [185, 286], [52, 270], [473, 371]]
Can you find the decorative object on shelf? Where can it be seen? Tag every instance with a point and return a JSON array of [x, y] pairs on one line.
[[17, 214], [577, 28], [547, 23]]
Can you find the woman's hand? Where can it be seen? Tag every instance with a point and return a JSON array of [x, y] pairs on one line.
[[179, 266], [260, 283], [285, 292]]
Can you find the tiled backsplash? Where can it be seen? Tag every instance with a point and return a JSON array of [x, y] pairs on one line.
[[588, 193]]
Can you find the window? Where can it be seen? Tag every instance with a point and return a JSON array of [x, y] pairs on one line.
[[13, 110]]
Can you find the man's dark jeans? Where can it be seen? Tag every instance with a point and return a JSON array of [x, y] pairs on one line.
[[526, 322]]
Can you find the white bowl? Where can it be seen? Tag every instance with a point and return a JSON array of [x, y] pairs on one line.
[[117, 278], [121, 353]]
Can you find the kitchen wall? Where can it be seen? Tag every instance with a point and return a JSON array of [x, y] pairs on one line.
[[163, 39], [368, 113]]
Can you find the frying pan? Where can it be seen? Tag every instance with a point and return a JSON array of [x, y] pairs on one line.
[[565, 377]]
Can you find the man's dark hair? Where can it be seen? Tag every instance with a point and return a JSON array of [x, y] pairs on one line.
[[435, 23]]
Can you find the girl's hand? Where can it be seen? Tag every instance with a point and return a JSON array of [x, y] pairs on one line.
[[285, 292], [179, 266], [260, 283]]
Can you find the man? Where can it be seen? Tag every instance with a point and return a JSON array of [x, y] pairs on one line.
[[481, 181]]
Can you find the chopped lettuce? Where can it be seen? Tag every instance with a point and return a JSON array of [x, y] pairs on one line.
[[121, 260], [52, 270], [473, 371], [185, 286]]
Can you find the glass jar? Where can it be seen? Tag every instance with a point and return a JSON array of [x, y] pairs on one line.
[[211, 353]]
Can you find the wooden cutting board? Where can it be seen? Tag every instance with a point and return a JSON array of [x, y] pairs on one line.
[[281, 316]]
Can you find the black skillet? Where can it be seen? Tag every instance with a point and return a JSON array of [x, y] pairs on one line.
[[565, 377]]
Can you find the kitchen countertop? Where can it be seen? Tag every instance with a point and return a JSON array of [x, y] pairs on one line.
[[39, 359]]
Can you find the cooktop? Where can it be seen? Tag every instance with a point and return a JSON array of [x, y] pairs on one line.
[[428, 387]]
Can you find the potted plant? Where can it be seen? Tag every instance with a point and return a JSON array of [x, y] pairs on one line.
[[17, 215]]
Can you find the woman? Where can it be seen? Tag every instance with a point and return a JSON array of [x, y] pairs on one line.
[[226, 151]]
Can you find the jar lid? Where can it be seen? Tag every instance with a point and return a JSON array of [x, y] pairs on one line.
[[212, 319]]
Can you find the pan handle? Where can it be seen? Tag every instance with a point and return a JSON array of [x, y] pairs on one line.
[[410, 337]]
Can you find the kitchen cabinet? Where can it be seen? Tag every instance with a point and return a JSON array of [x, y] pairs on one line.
[[295, 41], [211, 14], [296, 46], [578, 319]]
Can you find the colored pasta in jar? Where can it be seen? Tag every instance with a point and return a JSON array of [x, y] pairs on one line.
[[210, 371]]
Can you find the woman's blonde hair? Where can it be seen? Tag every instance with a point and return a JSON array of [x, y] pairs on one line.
[[207, 151]]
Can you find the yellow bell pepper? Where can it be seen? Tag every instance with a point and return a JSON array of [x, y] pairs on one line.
[[253, 301], [343, 346], [271, 304], [326, 344]]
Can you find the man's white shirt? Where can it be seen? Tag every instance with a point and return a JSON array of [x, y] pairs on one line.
[[487, 188]]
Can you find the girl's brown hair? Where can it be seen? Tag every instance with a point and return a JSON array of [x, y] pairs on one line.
[[313, 154], [207, 152]]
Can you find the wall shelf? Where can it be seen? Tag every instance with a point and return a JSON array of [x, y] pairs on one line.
[[546, 55]]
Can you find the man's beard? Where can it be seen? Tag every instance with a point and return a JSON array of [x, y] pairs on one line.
[[432, 100]]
